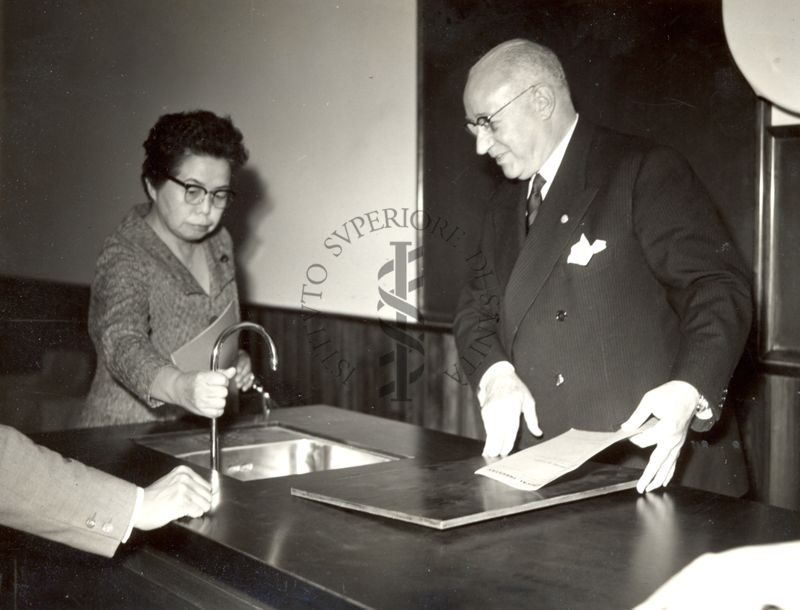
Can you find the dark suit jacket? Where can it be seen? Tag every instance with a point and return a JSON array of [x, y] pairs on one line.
[[669, 297], [45, 494]]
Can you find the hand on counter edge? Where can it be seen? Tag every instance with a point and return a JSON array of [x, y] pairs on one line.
[[673, 404], [504, 398], [179, 493]]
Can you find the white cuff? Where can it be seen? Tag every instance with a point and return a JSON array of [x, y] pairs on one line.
[[502, 367], [136, 508]]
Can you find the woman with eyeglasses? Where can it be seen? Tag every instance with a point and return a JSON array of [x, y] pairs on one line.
[[165, 273]]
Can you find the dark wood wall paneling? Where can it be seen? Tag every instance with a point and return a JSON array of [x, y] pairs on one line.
[[38, 316], [781, 475], [351, 363], [46, 357], [768, 409]]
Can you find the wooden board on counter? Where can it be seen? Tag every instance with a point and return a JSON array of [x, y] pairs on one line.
[[450, 494]]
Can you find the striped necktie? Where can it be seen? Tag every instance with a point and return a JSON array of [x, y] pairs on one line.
[[535, 200]]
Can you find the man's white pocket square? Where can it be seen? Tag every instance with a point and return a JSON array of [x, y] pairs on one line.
[[582, 251]]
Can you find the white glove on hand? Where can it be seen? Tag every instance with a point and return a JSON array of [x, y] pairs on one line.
[[503, 398], [673, 403]]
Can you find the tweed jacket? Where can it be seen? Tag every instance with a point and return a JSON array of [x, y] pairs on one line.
[[144, 305], [668, 297], [60, 499]]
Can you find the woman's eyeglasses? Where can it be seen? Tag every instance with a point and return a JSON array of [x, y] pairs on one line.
[[194, 194]]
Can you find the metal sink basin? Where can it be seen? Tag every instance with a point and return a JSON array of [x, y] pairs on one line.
[[263, 452]]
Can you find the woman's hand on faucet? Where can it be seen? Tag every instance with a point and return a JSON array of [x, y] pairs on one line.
[[204, 392], [244, 372]]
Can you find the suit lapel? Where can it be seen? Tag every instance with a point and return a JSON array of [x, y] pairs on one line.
[[508, 220], [561, 212]]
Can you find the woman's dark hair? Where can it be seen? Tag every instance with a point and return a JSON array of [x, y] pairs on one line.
[[197, 132]]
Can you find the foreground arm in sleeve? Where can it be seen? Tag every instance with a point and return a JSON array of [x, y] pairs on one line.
[[761, 576], [48, 495]]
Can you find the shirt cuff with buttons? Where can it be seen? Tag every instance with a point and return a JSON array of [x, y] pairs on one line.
[[503, 367], [136, 508]]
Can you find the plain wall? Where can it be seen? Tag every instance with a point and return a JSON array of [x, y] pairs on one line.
[[323, 90]]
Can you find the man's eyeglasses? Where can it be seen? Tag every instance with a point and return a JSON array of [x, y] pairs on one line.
[[485, 121], [194, 194]]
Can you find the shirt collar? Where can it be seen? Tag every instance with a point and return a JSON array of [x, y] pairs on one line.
[[553, 162]]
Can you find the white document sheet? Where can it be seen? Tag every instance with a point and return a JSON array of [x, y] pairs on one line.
[[535, 467]]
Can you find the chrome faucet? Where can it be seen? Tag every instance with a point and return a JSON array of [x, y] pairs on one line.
[[273, 358]]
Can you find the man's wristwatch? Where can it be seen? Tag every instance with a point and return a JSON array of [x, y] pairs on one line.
[[702, 410]]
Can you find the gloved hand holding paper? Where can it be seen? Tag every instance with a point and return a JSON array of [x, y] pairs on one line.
[[535, 467]]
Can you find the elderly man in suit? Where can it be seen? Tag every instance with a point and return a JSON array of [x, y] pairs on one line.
[[606, 291], [45, 494]]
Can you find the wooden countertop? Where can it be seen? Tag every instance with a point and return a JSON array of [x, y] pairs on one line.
[[270, 549]]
